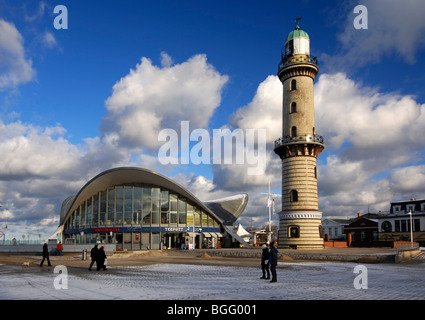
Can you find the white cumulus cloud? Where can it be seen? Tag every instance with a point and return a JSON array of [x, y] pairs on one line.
[[15, 68], [151, 98]]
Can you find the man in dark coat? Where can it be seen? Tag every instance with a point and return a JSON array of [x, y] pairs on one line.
[[100, 259], [273, 260], [93, 255], [45, 255], [265, 262]]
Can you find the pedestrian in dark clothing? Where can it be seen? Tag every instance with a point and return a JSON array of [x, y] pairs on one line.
[[265, 262], [93, 255], [45, 255], [273, 255], [100, 259]]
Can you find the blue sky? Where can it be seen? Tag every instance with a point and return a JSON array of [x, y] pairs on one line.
[[65, 94]]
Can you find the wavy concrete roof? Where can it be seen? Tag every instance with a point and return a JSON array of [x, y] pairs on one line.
[[225, 210]]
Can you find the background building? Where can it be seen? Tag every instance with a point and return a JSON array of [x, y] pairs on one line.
[[334, 227], [396, 224], [136, 208]]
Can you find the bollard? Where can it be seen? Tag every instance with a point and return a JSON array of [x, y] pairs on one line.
[[84, 255]]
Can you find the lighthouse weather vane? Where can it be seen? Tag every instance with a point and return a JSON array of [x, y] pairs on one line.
[[296, 21]]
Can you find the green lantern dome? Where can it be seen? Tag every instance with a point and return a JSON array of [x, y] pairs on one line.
[[297, 33]]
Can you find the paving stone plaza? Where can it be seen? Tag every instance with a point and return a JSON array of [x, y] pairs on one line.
[[296, 281]]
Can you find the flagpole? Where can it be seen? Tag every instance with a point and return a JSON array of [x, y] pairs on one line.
[[269, 237]]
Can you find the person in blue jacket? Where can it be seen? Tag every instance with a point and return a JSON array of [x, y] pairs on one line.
[[273, 256]]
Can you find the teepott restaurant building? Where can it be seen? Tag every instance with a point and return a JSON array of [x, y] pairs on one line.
[[136, 208]]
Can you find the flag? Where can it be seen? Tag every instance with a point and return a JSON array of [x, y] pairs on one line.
[[269, 202]]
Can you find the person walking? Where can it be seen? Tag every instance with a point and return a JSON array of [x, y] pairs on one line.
[[59, 249], [100, 259], [93, 255], [273, 260], [45, 255], [265, 262]]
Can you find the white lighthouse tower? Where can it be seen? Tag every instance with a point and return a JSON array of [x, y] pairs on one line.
[[300, 219]]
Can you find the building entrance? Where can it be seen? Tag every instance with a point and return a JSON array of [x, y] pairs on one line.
[[173, 240]]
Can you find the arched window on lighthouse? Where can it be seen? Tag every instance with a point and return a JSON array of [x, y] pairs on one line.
[[294, 232], [294, 85], [294, 196], [294, 131], [293, 107]]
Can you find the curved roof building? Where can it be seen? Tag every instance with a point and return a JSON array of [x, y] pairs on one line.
[[137, 208]]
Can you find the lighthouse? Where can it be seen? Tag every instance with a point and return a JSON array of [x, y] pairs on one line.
[[300, 219]]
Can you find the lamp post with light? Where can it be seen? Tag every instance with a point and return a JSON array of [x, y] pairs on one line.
[[411, 227]]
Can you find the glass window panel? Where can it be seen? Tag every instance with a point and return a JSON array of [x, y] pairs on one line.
[[164, 217], [164, 207], [155, 216], [173, 217], [73, 219], [190, 218], [197, 217], [156, 193], [95, 210], [156, 205], [173, 209], [128, 205], [156, 199], [83, 214], [119, 205], [102, 216], [89, 212], [416, 225], [181, 206], [137, 203], [204, 219], [77, 218], [111, 207], [146, 205], [173, 202], [397, 226], [164, 201]]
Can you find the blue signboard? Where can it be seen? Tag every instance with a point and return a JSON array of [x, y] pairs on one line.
[[139, 229]]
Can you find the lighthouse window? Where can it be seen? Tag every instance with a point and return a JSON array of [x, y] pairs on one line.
[[293, 107], [289, 48], [294, 232], [294, 85], [293, 131], [294, 196]]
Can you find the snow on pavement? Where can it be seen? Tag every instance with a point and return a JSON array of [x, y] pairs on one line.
[[307, 281]]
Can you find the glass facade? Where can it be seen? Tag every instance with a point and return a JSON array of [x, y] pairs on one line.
[[137, 216]]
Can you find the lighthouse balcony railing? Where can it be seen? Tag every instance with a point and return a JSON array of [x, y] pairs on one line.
[[299, 139], [289, 60]]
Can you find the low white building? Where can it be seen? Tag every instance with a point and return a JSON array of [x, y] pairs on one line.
[[334, 227]]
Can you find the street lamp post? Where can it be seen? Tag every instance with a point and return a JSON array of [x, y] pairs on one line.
[[193, 230], [411, 228]]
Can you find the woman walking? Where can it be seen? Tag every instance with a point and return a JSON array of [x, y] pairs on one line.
[[100, 259]]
